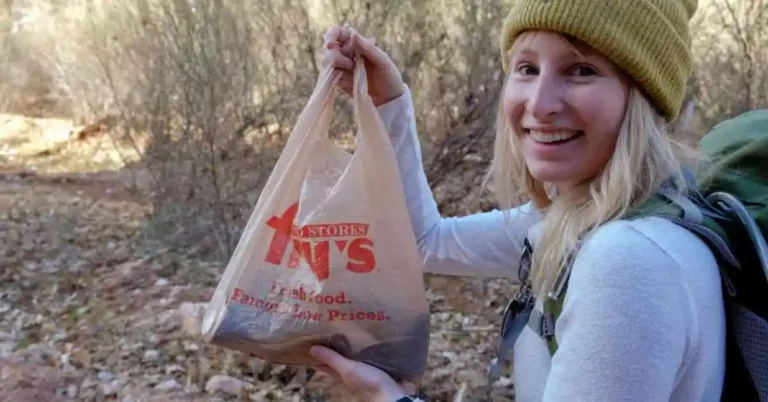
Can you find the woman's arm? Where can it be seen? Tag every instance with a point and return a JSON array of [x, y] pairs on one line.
[[482, 244]]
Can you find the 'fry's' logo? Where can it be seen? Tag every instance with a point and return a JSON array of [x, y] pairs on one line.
[[314, 244]]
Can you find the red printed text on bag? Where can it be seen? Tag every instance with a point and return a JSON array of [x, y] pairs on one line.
[[314, 244]]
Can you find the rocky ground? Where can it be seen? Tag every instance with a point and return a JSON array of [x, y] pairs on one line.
[[88, 314]]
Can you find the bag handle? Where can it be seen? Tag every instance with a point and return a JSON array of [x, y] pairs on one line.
[[325, 93]]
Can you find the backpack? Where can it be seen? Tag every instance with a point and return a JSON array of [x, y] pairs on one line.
[[728, 210]]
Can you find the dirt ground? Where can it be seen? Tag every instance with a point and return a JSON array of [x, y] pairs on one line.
[[87, 314]]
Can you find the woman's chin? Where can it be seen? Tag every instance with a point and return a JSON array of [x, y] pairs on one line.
[[557, 175]]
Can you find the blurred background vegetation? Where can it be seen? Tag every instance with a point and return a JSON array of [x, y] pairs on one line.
[[200, 95]]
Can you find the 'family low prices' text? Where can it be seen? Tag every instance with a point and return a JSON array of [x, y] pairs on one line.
[[338, 306]]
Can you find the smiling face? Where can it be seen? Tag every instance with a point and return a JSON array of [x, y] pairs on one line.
[[565, 104]]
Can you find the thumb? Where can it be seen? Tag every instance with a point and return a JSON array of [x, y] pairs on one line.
[[329, 357]]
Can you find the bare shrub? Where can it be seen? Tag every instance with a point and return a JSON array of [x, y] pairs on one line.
[[214, 105], [206, 91], [731, 55], [26, 84]]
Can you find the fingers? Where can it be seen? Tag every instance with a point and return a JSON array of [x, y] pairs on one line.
[[328, 371], [334, 58], [335, 361], [338, 60], [337, 34], [348, 42], [338, 50], [348, 48], [348, 39]]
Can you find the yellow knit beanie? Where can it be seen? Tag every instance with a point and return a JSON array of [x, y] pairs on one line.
[[648, 39]]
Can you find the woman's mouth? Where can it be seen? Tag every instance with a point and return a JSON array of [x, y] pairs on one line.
[[553, 137]]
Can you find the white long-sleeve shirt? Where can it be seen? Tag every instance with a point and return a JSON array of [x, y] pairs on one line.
[[643, 317]]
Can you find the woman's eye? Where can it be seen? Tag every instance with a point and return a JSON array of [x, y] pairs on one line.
[[527, 69], [583, 71]]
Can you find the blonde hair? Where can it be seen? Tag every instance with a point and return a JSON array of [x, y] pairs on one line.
[[643, 159]]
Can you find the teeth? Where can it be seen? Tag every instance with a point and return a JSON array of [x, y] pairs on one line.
[[552, 136]]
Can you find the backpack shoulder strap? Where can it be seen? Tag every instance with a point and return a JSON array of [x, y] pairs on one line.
[[667, 204]]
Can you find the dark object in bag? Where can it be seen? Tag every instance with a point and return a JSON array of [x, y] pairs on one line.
[[401, 356]]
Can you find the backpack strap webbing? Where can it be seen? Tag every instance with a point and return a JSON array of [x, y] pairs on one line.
[[553, 307]]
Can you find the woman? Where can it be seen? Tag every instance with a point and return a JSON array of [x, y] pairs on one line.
[[588, 92]]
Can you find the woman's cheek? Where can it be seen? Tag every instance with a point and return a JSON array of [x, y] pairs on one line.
[[513, 103]]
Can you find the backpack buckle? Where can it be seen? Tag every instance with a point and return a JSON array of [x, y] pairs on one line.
[[523, 302]]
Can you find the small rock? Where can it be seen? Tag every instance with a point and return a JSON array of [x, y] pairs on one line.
[[40, 354], [133, 393], [175, 348], [88, 383], [259, 366], [168, 385], [191, 347], [505, 382], [6, 371], [152, 356], [226, 384], [80, 358], [67, 367], [6, 349], [161, 282], [153, 378], [473, 158], [106, 376], [110, 388], [65, 359], [72, 391], [167, 320], [191, 317], [173, 369]]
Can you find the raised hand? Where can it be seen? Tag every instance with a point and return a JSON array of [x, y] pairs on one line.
[[385, 82]]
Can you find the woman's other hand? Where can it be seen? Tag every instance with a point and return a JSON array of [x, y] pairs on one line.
[[375, 384]]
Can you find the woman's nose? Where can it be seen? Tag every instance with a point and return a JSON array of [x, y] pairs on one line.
[[545, 98]]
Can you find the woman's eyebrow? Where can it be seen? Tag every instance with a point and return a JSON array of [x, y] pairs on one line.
[[525, 51]]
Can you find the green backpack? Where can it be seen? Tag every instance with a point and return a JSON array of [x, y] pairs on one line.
[[730, 213]]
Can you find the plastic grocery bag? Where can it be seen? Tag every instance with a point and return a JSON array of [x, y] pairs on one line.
[[328, 255]]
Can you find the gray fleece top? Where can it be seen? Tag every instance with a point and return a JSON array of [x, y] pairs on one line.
[[643, 317]]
